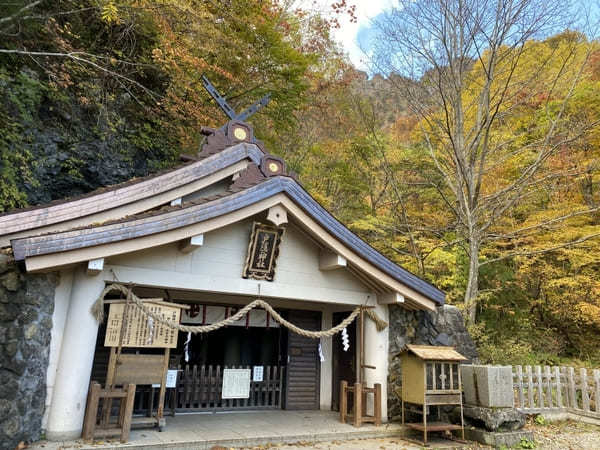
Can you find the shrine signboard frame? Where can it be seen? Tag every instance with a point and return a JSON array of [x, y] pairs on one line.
[[263, 250], [140, 331]]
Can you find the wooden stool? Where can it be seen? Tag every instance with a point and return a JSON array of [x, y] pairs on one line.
[[359, 415], [125, 395]]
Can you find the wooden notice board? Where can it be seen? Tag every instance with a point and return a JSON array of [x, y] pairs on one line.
[[141, 331]]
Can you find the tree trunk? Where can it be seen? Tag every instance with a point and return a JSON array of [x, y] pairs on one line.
[[472, 282]]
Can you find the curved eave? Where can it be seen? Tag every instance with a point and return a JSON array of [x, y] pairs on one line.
[[150, 188], [169, 222]]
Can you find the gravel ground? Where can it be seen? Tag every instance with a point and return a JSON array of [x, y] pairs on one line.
[[566, 435], [373, 444]]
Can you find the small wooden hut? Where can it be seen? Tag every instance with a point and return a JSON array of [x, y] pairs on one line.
[[431, 377]]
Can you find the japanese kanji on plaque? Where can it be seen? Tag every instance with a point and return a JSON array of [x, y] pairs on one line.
[[141, 330], [262, 252]]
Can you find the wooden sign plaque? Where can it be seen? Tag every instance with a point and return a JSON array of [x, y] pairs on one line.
[[262, 252], [141, 331]]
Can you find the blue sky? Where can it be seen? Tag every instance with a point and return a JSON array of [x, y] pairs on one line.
[[354, 37], [350, 34]]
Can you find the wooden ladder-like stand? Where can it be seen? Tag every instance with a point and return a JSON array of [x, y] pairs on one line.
[[360, 390], [123, 426]]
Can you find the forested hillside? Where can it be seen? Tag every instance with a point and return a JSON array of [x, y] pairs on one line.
[[95, 92]]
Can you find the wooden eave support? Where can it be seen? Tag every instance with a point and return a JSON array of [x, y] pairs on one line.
[[390, 298], [277, 215], [190, 244], [95, 266], [331, 261]]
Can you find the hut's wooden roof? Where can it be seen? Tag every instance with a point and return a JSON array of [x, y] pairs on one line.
[[433, 353]]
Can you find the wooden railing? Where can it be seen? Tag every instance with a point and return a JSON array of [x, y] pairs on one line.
[[539, 390], [199, 389]]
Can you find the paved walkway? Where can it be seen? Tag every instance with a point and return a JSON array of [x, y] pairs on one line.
[[241, 430]]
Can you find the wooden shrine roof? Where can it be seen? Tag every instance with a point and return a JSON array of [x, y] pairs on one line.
[[435, 353]]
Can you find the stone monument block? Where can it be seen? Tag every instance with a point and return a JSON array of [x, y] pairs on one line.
[[488, 386]]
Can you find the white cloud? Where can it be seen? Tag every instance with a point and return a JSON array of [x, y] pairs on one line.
[[347, 33]]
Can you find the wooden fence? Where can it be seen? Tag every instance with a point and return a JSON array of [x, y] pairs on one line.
[[199, 389], [548, 389]]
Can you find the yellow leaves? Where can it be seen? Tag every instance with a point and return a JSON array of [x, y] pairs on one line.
[[589, 313], [109, 12]]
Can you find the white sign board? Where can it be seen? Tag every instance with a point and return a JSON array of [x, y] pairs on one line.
[[257, 375], [236, 383], [171, 378]]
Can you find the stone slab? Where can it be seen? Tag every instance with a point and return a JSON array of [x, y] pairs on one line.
[[495, 419], [488, 386], [498, 439]]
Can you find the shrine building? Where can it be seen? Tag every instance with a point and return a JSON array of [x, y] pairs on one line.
[[230, 225]]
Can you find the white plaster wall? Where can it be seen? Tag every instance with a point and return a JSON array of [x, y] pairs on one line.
[[62, 298], [217, 267]]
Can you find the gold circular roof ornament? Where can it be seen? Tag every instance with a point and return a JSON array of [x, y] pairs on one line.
[[240, 133], [274, 167]]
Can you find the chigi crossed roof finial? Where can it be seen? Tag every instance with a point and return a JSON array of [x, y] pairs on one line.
[[227, 109]]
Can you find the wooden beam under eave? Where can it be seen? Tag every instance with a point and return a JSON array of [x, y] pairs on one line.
[[192, 243], [390, 298], [95, 266], [331, 261], [277, 215]]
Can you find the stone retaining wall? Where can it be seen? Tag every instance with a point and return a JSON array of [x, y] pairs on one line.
[[445, 326], [26, 307]]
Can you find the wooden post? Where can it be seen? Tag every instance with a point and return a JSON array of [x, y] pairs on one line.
[[424, 423], [89, 423], [357, 404], [361, 344], [596, 374], [548, 386], [585, 396], [377, 404], [127, 412], [343, 400], [529, 386], [557, 374], [573, 399], [520, 386], [540, 386], [402, 409], [110, 376], [163, 384]]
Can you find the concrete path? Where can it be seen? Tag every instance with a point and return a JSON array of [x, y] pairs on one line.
[[247, 430]]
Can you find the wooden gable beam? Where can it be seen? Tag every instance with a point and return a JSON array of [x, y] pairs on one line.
[[95, 266], [390, 298], [331, 261], [192, 243]]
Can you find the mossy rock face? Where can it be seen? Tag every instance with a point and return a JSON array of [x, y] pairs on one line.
[[56, 146]]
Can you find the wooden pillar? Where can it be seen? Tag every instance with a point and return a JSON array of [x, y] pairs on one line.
[[343, 400], [357, 404]]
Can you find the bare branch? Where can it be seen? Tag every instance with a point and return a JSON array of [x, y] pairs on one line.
[[19, 12], [541, 251]]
